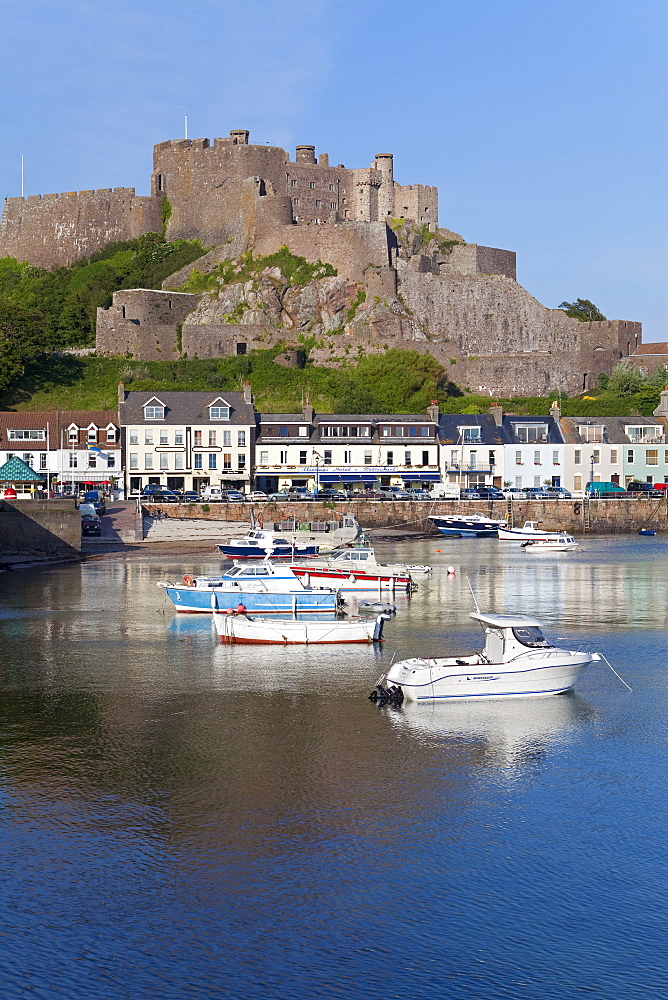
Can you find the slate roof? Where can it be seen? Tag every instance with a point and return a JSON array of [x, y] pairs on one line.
[[554, 435], [186, 408], [15, 470], [490, 432], [614, 432]]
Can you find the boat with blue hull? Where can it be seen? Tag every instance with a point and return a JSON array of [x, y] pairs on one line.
[[292, 543], [467, 525], [265, 589]]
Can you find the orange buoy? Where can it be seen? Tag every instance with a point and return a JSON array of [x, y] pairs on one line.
[[241, 608], [188, 581]]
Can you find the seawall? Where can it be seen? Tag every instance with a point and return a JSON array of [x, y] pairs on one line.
[[605, 516]]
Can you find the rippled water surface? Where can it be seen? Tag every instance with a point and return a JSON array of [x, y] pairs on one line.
[[185, 820]]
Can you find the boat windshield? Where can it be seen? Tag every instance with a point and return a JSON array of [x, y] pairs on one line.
[[531, 635]]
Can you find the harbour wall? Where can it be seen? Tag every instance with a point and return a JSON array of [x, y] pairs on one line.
[[39, 529], [605, 517]]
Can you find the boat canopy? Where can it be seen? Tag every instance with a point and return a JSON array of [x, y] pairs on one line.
[[504, 621]]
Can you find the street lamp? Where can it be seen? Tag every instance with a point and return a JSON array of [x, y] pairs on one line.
[[591, 478], [316, 462]]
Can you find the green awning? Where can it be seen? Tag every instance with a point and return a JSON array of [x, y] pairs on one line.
[[15, 470]]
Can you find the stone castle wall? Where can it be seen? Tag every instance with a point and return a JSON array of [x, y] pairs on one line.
[[54, 230]]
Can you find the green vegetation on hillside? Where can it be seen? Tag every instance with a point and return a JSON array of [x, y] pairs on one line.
[[294, 269], [584, 310], [45, 310], [394, 382]]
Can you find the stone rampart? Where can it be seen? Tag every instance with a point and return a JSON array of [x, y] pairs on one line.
[[42, 529], [350, 247], [607, 516], [53, 230]]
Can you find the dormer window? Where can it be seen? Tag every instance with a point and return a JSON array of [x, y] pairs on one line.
[[154, 409], [92, 434], [219, 410], [73, 432], [111, 434], [470, 434]]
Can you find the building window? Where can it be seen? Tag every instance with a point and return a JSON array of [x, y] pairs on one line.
[[530, 433], [318, 204], [347, 457], [389, 459], [577, 482], [241, 439], [630, 457], [283, 460], [92, 434], [331, 187], [596, 456], [164, 462], [264, 458], [332, 205], [303, 432], [613, 456], [73, 460], [536, 481], [241, 460], [148, 437], [302, 458], [212, 461], [555, 458], [425, 458], [283, 432], [473, 460], [469, 434], [198, 439], [73, 434], [368, 458], [327, 457], [134, 460], [212, 439], [220, 412], [311, 184], [293, 184], [154, 412], [16, 435], [148, 461], [536, 459], [652, 456], [424, 431], [42, 461], [241, 347], [227, 460], [134, 436], [227, 439], [92, 461], [197, 462], [412, 431], [178, 462], [407, 458], [178, 437], [111, 435], [577, 457], [518, 482], [28, 459], [518, 458], [111, 462], [164, 437]]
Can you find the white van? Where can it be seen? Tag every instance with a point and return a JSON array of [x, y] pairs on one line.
[[445, 491], [212, 493]]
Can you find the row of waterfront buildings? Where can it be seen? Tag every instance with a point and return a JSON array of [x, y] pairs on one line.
[[191, 440]]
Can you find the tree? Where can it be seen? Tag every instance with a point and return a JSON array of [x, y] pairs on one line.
[[22, 333], [625, 379], [582, 309]]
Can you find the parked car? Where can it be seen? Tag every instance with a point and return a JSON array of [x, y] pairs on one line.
[[559, 492], [490, 493], [538, 493], [190, 496], [97, 499], [281, 495], [234, 496], [514, 493], [332, 495], [90, 525], [419, 494], [469, 493], [662, 487], [162, 496], [258, 496], [369, 495], [638, 487]]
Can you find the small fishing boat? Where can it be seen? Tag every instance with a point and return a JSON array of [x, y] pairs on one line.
[[351, 569], [377, 607], [290, 542], [562, 543], [467, 525], [517, 661], [529, 532], [647, 531], [240, 628]]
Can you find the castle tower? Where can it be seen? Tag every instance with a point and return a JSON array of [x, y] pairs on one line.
[[385, 167]]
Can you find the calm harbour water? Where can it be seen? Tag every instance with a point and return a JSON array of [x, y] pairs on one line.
[[185, 820]]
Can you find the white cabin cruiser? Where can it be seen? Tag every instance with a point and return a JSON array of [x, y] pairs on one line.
[[356, 568], [288, 541], [528, 532], [562, 543], [517, 661]]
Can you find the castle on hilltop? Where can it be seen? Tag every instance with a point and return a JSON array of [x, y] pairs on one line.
[[401, 280]]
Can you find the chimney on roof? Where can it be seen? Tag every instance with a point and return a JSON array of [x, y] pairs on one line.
[[433, 411], [248, 395], [121, 392], [662, 408], [555, 411], [497, 413]]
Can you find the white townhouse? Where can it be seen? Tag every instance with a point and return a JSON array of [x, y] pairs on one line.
[[358, 451], [472, 448], [534, 450], [615, 450], [72, 449], [187, 440]]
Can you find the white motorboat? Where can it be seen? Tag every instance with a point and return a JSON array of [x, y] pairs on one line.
[[562, 543], [288, 541], [528, 532], [467, 525], [240, 628], [517, 661], [356, 568]]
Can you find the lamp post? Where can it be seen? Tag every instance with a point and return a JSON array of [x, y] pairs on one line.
[[316, 462], [591, 477]]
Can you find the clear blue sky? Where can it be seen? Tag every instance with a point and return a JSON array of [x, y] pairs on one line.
[[543, 125]]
